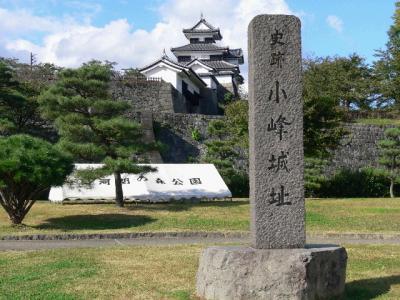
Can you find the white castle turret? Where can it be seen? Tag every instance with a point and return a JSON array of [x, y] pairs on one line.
[[208, 59], [203, 70]]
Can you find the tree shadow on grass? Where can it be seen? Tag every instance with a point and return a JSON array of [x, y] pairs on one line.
[[177, 206], [101, 221], [370, 288]]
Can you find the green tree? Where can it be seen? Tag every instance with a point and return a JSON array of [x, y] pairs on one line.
[[92, 126], [323, 127], [390, 155], [8, 95], [229, 141], [346, 81], [332, 86], [387, 67], [19, 111], [229, 144], [28, 166]]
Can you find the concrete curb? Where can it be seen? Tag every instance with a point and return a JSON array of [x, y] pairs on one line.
[[128, 235], [187, 234]]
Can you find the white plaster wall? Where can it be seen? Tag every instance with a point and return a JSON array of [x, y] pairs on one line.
[[202, 26], [172, 77], [224, 79], [199, 69], [165, 73], [200, 56], [194, 54], [208, 81]]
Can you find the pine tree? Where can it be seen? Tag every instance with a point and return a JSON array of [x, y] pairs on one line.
[[28, 166], [390, 155], [92, 126]]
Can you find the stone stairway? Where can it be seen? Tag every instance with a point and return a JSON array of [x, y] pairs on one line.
[[146, 120]]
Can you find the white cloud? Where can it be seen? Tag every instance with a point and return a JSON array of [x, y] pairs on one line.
[[22, 21], [69, 43], [335, 22]]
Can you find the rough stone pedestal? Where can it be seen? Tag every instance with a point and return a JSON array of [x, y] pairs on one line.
[[314, 272]]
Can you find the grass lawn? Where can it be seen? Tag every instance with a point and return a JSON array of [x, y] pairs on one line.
[[353, 215], [161, 272], [323, 215]]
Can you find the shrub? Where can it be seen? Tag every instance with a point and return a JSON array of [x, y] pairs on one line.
[[196, 135], [238, 184], [366, 182], [313, 175]]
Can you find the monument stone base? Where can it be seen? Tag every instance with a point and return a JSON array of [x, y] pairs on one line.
[[313, 272]]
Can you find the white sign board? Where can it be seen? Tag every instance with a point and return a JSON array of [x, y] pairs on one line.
[[170, 181]]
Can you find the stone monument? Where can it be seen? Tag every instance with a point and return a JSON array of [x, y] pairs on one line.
[[279, 265]]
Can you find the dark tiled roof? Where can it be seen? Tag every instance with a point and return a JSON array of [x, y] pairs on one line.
[[219, 64], [202, 20], [174, 62], [236, 52], [180, 66], [210, 30], [201, 31], [165, 58], [199, 47]]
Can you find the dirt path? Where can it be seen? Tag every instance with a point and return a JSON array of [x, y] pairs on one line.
[[53, 244], [26, 245]]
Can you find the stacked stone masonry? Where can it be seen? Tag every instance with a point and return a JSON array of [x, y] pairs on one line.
[[358, 149], [154, 96], [175, 131]]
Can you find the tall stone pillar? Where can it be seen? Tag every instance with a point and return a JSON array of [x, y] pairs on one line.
[[276, 132]]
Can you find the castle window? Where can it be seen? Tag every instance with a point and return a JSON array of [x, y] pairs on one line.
[[194, 41], [209, 40], [215, 57], [184, 58]]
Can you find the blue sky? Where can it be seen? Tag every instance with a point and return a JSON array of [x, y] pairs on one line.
[[365, 25], [134, 32]]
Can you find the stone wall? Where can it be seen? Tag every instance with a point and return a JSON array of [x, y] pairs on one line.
[[358, 148], [159, 96], [351, 116], [147, 95], [175, 131]]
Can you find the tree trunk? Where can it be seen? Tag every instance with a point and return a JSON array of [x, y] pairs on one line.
[[17, 215], [16, 219], [119, 194], [17, 207], [391, 188]]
